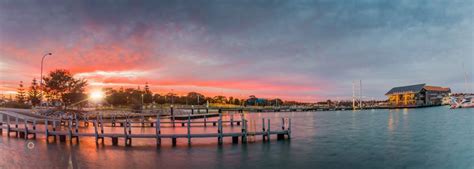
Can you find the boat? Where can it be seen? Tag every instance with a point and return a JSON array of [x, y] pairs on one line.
[[467, 102]]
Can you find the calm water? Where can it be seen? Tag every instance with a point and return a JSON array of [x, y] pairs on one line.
[[414, 138]]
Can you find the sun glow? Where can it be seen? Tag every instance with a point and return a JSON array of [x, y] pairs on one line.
[[96, 95]]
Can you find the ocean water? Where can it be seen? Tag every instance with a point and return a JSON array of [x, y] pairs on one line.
[[428, 138]]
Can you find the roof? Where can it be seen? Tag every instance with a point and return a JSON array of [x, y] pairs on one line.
[[406, 89], [437, 88], [416, 89]]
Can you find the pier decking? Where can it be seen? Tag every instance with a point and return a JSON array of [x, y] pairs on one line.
[[26, 128]]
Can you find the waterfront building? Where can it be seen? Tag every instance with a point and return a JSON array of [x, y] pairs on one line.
[[417, 95]]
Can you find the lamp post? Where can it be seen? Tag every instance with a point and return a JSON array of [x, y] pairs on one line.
[[172, 97], [143, 106], [41, 77]]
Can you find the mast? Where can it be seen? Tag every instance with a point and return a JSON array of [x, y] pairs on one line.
[[360, 94], [353, 95]]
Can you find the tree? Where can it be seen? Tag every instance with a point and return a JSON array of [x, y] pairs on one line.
[[220, 99], [61, 86], [237, 101], [171, 98], [157, 98], [20, 96], [147, 95], [34, 94], [196, 98]]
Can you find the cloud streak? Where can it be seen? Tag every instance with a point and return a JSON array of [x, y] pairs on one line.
[[306, 49]]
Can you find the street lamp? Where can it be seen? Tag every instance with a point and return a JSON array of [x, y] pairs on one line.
[[41, 77], [142, 102], [172, 97]]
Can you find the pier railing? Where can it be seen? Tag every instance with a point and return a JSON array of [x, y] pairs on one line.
[[26, 128]]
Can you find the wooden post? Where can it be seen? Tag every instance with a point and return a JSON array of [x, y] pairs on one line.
[[235, 139], [125, 131], [26, 129], [205, 120], [219, 129], [8, 125], [173, 141], [282, 136], [114, 141], [77, 126], [129, 133], [16, 126], [232, 119], [158, 131], [46, 128], [69, 130], [54, 130], [244, 134], [113, 121], [86, 121], [1, 124], [95, 132], [102, 126], [172, 116], [289, 128], [62, 138], [54, 125], [283, 123], [263, 129], [34, 128], [189, 129], [268, 130]]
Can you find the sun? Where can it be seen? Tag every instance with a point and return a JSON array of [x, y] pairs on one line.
[[96, 95]]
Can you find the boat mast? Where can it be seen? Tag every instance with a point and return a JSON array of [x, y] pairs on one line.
[[360, 94], [353, 95]]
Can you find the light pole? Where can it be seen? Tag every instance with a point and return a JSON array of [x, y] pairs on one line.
[[41, 76], [172, 97], [142, 102]]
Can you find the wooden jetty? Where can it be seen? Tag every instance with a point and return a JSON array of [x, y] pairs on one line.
[[27, 129]]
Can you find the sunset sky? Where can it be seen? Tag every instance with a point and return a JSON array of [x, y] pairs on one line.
[[295, 50]]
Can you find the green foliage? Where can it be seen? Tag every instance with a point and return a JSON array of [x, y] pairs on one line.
[[34, 94], [147, 95], [61, 86], [21, 96]]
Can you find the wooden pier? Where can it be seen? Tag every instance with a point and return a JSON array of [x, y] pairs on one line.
[[27, 129]]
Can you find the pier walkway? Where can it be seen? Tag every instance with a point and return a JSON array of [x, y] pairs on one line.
[[24, 127]]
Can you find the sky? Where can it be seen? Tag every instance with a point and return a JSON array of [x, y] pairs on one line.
[[295, 50]]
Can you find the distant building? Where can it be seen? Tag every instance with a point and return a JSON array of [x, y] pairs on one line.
[[417, 95]]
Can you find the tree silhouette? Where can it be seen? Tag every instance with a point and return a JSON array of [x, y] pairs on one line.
[[34, 94], [20, 96], [61, 86]]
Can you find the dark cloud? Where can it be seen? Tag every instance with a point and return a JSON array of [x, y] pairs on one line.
[[322, 43]]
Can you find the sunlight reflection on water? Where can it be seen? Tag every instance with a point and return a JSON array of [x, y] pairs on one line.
[[409, 138]]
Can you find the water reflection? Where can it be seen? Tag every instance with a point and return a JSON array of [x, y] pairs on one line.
[[345, 139]]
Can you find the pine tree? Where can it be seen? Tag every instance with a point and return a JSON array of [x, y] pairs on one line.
[[147, 95], [34, 94], [20, 96]]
